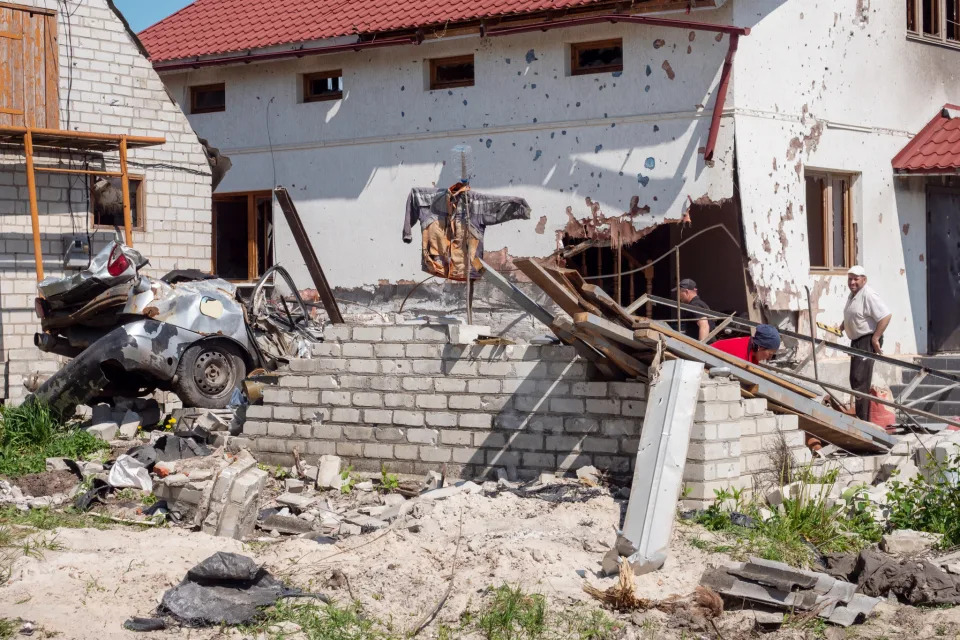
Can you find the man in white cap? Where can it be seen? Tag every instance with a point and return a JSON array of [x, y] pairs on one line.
[[865, 318]]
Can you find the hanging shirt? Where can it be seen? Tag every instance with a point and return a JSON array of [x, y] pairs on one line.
[[739, 347], [863, 312], [441, 225]]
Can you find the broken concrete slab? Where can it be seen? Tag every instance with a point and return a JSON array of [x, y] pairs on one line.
[[105, 431], [57, 464], [906, 542], [589, 476], [285, 524], [298, 501], [451, 490], [129, 425], [292, 485], [228, 507], [466, 334], [328, 473]]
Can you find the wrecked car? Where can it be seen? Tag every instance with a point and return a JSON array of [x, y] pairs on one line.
[[188, 332]]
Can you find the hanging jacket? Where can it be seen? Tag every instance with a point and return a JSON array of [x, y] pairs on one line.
[[438, 212]]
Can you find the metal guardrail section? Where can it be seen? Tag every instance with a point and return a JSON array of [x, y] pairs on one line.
[[858, 434]]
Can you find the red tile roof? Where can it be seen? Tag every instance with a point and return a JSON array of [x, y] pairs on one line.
[[222, 26], [936, 148]]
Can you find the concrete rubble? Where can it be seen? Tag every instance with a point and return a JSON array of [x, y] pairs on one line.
[[780, 586]]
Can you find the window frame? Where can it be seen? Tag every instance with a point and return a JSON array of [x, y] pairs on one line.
[[139, 211], [826, 204], [194, 89], [918, 35], [321, 75], [577, 47], [253, 251], [434, 63]]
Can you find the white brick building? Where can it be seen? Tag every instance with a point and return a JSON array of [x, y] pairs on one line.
[[96, 79]]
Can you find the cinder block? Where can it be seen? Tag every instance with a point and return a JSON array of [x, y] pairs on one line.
[[581, 425], [539, 460], [280, 430], [398, 334], [603, 406], [385, 383], [389, 350], [468, 456], [356, 350], [259, 411], [503, 458], [448, 385], [428, 367], [398, 400], [465, 402], [328, 365], [707, 451], [323, 382], [406, 451], [703, 431], [754, 406], [337, 332], [498, 369], [432, 401], [590, 389], [766, 424], [377, 416], [484, 386], [255, 428], [326, 349], [566, 405], [476, 421], [633, 408], [396, 367], [321, 448], [728, 431], [345, 414], [748, 426], [430, 334], [736, 410], [422, 436], [421, 384], [787, 422], [327, 431], [285, 413], [600, 445], [456, 438], [367, 334], [562, 443], [573, 460], [707, 393], [435, 454], [276, 396], [408, 418], [711, 412], [525, 441], [728, 392], [363, 366], [424, 351], [349, 449], [488, 439], [613, 464], [388, 434], [382, 451], [305, 396], [620, 427], [367, 399], [631, 390], [354, 432], [440, 419], [335, 398]]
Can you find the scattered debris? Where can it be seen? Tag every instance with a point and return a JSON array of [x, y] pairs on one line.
[[226, 588], [904, 542], [127, 471], [781, 586]]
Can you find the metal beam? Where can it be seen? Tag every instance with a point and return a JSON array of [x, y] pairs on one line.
[[932, 395], [833, 422], [522, 300], [910, 387]]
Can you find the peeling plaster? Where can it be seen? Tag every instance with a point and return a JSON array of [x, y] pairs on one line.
[[668, 69], [541, 225]]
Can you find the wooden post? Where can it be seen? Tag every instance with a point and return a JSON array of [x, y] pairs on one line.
[[676, 255], [618, 285], [34, 212], [125, 187]]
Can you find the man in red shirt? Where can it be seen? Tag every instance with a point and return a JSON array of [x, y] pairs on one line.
[[762, 346]]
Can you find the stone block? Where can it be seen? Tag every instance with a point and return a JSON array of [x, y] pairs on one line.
[[356, 350], [397, 334], [377, 416], [431, 401], [408, 418], [367, 334], [476, 420], [328, 472], [422, 436], [466, 334], [430, 334], [484, 385], [365, 399], [398, 400], [448, 385], [345, 414], [631, 390], [590, 389], [440, 419], [603, 406], [435, 454], [412, 383]]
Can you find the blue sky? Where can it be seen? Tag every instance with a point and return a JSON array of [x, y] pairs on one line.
[[143, 13]]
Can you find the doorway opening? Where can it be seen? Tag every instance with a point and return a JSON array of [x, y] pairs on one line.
[[242, 235], [943, 265]]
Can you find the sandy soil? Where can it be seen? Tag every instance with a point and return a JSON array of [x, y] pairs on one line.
[[99, 578]]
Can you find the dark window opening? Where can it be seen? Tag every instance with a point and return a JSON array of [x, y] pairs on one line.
[[208, 98], [829, 221], [447, 73], [242, 235], [106, 202], [931, 17], [912, 16], [325, 85], [596, 57], [953, 20]]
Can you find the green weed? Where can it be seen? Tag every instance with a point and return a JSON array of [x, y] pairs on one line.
[[30, 433], [8, 628], [388, 481], [347, 480], [513, 615], [933, 507], [321, 622]]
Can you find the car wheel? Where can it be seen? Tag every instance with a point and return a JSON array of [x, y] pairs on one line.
[[208, 373]]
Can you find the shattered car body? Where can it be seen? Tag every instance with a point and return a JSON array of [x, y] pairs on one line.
[[189, 333]]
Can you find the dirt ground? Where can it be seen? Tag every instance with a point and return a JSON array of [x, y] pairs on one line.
[[96, 579]]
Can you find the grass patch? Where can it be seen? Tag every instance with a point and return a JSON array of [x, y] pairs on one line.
[[320, 622], [8, 628], [805, 525], [933, 507], [29, 434]]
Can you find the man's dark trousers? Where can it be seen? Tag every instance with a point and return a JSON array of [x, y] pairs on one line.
[[861, 373]]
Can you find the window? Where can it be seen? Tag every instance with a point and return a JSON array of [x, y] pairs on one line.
[[447, 73], [603, 56], [29, 67], [324, 85], [208, 98], [106, 202], [936, 20], [242, 235], [829, 221]]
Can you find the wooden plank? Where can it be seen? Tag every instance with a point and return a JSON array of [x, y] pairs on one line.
[[636, 304], [11, 69], [657, 327], [34, 110], [19, 7], [34, 211], [569, 278], [510, 290], [602, 299], [51, 71], [125, 187], [627, 363], [567, 333], [611, 330], [557, 292]]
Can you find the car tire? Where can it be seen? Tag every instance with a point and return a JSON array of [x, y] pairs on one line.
[[208, 373]]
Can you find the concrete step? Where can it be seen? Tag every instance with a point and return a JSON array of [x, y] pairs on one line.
[[925, 389]]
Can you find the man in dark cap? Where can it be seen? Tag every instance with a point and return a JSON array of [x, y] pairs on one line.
[[693, 325], [762, 346]]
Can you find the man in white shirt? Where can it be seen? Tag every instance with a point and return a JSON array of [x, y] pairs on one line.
[[865, 318]]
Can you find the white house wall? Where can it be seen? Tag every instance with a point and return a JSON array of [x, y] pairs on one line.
[[535, 132], [836, 85]]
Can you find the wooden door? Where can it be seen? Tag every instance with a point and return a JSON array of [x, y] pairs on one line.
[[29, 68], [943, 269]]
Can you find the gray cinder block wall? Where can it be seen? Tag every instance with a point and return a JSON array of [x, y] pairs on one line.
[[106, 86], [403, 397]]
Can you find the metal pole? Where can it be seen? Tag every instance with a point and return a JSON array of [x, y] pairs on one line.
[[677, 263], [125, 187], [34, 212], [813, 342]]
